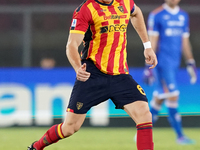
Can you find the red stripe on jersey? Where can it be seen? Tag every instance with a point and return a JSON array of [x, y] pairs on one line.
[[98, 7], [100, 13], [121, 60], [112, 10], [102, 44], [116, 21], [114, 45], [100, 50], [112, 53], [127, 66], [105, 23]]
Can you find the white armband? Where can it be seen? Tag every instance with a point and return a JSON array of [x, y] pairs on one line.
[[147, 45]]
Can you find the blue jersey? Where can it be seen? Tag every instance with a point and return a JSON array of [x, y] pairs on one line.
[[171, 25]]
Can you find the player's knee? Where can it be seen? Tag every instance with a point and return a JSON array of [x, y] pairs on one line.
[[69, 132], [144, 115], [147, 114], [171, 103], [69, 129]]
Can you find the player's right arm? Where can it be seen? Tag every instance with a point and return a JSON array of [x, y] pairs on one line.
[[73, 56], [80, 23]]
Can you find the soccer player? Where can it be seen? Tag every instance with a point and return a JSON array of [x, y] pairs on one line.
[[102, 71], [168, 29]]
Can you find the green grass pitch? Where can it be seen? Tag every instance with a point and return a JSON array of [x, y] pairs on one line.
[[18, 138]]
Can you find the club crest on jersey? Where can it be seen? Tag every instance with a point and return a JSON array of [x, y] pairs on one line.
[[121, 8], [79, 105]]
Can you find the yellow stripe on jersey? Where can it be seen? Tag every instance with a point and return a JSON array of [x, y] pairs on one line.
[[110, 39], [127, 5], [121, 41], [97, 37], [76, 31], [119, 47], [117, 52]]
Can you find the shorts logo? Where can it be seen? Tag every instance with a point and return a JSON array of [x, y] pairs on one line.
[[79, 105], [141, 90]]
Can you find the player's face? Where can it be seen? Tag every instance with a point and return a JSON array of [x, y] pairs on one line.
[[172, 3], [106, 1]]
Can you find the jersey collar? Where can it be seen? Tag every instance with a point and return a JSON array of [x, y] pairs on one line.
[[173, 11], [104, 3]]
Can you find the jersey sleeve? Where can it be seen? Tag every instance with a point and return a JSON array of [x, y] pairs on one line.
[[81, 20], [186, 29], [132, 6], [153, 24]]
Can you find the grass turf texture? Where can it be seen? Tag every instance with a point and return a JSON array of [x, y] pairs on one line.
[[18, 138]]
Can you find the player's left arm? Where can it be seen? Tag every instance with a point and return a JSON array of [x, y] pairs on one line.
[[190, 61], [187, 48], [138, 23]]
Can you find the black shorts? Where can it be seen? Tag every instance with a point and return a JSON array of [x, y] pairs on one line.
[[121, 89]]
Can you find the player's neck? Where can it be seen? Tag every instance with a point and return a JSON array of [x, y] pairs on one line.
[[173, 10], [105, 1], [171, 5]]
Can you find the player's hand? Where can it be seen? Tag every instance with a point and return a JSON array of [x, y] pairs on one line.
[[82, 74], [148, 76], [150, 58], [191, 69]]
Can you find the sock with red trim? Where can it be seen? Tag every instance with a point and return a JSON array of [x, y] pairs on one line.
[[144, 136], [53, 135]]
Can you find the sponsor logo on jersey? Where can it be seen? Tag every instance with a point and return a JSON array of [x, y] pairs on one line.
[[173, 32], [114, 17], [175, 23], [113, 28]]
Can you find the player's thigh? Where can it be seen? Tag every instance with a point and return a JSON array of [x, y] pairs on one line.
[[166, 85], [169, 78]]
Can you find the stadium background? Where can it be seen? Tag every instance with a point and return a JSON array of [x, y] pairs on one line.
[[29, 95]]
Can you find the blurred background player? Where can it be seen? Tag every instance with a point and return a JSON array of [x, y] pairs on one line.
[[47, 62], [168, 29]]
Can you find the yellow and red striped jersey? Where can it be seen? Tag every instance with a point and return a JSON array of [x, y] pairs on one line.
[[104, 26]]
